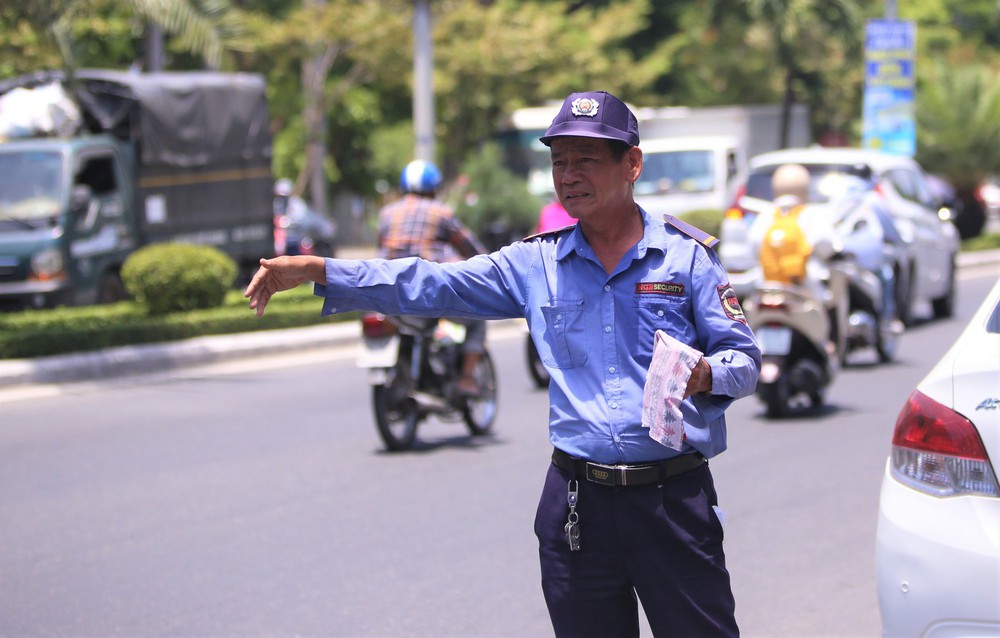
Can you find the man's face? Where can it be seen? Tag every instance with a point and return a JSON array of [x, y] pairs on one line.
[[589, 179]]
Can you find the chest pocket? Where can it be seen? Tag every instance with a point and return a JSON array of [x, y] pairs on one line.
[[564, 339], [669, 314]]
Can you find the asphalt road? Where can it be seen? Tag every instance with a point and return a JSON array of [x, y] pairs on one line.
[[252, 498]]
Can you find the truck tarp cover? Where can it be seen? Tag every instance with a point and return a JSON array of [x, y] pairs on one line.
[[180, 119]]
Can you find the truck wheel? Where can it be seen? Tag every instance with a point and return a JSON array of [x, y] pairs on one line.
[[111, 289]]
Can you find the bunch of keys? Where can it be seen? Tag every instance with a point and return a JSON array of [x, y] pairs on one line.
[[572, 527]]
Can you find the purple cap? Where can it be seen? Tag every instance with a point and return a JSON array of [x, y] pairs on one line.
[[594, 114]]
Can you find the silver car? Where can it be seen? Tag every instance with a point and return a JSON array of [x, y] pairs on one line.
[[930, 242]]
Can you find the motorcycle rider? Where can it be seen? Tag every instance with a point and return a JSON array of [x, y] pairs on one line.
[[792, 239], [420, 225]]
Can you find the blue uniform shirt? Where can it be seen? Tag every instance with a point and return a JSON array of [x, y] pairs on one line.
[[594, 331]]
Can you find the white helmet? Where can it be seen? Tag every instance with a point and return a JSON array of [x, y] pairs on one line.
[[283, 187]]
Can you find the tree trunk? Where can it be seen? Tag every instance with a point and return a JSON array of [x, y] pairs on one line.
[[787, 102], [314, 114], [314, 72]]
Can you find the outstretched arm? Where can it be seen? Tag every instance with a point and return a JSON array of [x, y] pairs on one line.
[[283, 273]]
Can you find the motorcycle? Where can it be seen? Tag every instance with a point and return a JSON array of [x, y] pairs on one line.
[[799, 359], [870, 323], [535, 366], [414, 365]]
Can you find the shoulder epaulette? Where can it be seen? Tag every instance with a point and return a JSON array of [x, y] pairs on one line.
[[546, 233], [693, 232]]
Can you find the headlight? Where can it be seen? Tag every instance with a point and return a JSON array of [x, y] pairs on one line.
[[47, 264]]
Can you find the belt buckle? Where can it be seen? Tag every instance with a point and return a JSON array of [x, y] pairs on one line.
[[603, 474]]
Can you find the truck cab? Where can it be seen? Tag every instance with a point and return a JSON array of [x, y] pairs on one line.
[[682, 174], [63, 221]]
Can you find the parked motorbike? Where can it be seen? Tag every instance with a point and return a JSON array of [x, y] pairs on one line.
[[414, 365], [535, 366], [799, 359], [869, 322]]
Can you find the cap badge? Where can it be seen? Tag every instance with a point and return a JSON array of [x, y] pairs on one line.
[[585, 106]]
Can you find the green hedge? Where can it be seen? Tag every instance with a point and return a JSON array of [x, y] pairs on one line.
[[36, 333]]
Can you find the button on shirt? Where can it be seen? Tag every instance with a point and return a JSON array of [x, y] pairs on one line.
[[594, 331]]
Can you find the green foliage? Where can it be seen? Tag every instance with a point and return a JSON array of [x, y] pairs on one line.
[[982, 242], [958, 122], [493, 202], [493, 57], [175, 277]]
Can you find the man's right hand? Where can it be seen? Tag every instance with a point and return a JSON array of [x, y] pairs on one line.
[[283, 273]]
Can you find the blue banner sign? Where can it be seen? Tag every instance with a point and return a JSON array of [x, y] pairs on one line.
[[890, 52]]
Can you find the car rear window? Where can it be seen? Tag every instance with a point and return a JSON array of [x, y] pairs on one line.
[[820, 178]]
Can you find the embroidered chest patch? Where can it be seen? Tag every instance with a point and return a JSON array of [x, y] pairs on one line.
[[659, 288], [730, 303]]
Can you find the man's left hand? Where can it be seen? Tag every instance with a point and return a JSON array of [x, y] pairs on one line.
[[701, 379]]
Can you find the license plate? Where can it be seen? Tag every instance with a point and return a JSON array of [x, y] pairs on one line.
[[774, 339], [379, 353]]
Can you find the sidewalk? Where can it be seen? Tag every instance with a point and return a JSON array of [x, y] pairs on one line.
[[126, 360]]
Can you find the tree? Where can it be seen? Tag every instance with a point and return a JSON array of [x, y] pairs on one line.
[[337, 71], [958, 132], [491, 60], [492, 201], [105, 30], [807, 38]]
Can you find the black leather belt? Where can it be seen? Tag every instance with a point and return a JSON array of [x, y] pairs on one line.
[[627, 473]]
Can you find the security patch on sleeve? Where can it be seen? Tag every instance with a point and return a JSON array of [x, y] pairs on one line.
[[730, 303]]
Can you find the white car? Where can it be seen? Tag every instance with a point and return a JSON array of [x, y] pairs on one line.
[[926, 270], [937, 546]]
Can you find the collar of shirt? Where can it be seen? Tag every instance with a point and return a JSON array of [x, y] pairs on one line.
[[653, 237]]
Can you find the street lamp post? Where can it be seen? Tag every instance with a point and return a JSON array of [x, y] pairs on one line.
[[423, 87]]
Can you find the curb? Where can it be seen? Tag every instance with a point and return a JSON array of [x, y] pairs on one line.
[[126, 360]]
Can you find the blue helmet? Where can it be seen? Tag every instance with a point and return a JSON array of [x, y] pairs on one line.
[[420, 176]]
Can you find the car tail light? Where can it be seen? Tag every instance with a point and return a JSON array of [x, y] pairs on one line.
[[734, 213], [374, 325], [938, 451]]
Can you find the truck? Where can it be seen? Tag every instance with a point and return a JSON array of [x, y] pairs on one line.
[[133, 159], [693, 158]]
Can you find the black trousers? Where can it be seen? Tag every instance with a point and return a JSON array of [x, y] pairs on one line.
[[660, 543]]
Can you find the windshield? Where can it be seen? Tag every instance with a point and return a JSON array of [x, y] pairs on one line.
[[30, 185], [826, 182], [676, 172]]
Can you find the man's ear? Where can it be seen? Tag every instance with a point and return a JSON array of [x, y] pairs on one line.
[[634, 159]]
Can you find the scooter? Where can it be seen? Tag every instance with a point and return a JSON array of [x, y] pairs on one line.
[[870, 323], [799, 358], [414, 365], [535, 366]]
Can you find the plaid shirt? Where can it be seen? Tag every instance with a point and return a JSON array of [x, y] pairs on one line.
[[424, 227]]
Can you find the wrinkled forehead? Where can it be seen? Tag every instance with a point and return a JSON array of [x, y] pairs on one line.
[[572, 144]]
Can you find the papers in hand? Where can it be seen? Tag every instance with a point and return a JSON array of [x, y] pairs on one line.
[[666, 382]]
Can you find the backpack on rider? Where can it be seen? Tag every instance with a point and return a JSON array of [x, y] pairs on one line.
[[785, 249]]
